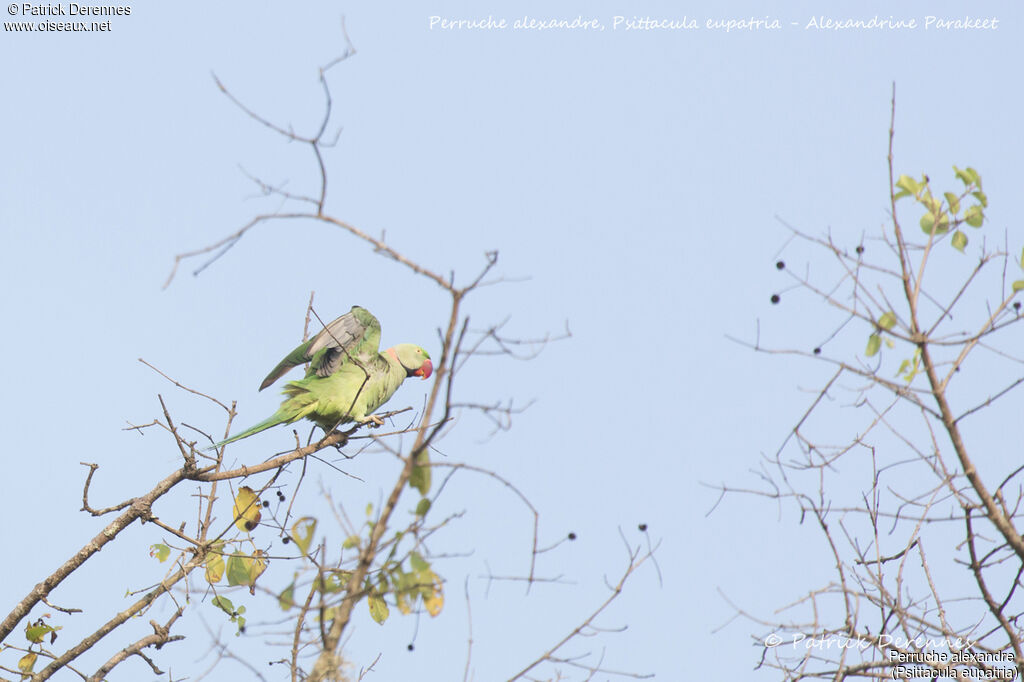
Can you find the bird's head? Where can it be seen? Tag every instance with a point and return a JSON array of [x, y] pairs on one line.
[[414, 359]]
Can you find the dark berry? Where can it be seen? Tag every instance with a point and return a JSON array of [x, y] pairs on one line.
[[780, 265], [860, 249], [572, 536], [642, 527], [817, 351], [775, 299]]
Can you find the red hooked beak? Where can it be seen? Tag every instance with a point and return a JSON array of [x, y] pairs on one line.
[[425, 371]]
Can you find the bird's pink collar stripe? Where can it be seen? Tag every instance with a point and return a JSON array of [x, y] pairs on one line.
[[392, 353]]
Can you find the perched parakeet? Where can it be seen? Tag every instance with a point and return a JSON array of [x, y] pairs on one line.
[[347, 378]]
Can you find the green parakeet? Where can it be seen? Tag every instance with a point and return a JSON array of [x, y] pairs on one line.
[[347, 378]]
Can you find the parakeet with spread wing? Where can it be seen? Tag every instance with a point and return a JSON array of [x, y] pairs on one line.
[[347, 378]]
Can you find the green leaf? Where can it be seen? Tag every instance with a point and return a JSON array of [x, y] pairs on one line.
[[160, 551], [975, 176], [420, 476], [968, 176], [981, 197], [953, 201], [964, 177], [1022, 259], [369, 509], [908, 184], [286, 599], [928, 221], [238, 573], [417, 562], [334, 582], [959, 241], [1018, 285], [423, 506], [350, 542], [224, 604], [302, 533], [378, 608], [874, 343], [974, 216], [887, 321], [35, 632]]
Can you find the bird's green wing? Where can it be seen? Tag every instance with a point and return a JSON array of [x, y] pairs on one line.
[[353, 336], [352, 393]]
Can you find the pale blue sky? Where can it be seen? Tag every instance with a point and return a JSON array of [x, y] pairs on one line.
[[632, 177]]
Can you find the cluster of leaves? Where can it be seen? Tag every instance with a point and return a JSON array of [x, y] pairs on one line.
[[949, 213], [407, 585], [229, 559], [941, 216], [408, 579]]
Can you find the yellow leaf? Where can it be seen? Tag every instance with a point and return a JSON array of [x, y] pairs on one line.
[[258, 565], [214, 568], [26, 662], [246, 509], [302, 533], [435, 602], [402, 602]]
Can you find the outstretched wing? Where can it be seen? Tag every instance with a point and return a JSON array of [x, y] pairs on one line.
[[354, 335]]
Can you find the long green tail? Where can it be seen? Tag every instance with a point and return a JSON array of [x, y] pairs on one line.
[[279, 417]]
